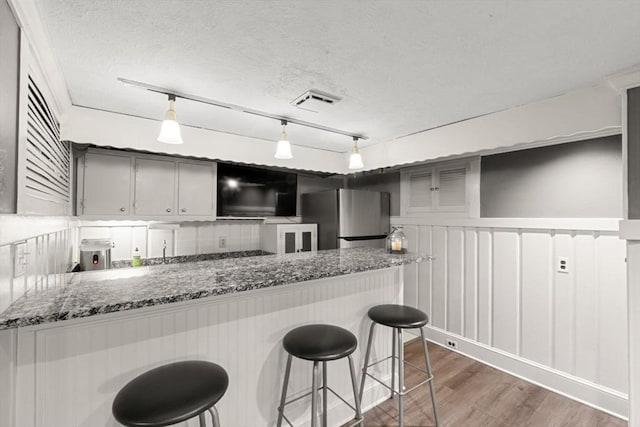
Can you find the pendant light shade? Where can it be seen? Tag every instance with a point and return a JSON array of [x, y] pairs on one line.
[[283, 148], [355, 160], [170, 130]]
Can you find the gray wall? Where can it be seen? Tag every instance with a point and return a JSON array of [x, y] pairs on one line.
[[379, 181], [575, 180], [9, 74], [633, 152]]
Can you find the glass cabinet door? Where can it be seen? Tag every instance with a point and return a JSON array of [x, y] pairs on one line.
[[306, 241], [289, 242]]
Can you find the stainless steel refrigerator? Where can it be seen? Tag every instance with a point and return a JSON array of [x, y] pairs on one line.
[[348, 218]]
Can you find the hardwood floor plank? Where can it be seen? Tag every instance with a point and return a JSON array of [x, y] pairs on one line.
[[471, 394]]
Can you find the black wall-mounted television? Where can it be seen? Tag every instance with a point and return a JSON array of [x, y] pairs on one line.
[[248, 191]]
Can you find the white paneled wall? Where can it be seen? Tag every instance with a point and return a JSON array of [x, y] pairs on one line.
[[34, 253], [497, 286], [182, 239]]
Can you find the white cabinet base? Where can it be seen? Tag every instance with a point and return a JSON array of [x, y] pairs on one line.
[[69, 372]]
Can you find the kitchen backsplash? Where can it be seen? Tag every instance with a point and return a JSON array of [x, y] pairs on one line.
[[181, 239], [35, 251]]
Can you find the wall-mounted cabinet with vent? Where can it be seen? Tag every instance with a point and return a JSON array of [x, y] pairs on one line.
[[451, 188], [115, 185]]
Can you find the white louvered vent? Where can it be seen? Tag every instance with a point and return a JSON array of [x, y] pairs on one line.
[[46, 158], [420, 190], [452, 187]]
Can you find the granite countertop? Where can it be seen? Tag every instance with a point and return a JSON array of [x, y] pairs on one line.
[[90, 293]]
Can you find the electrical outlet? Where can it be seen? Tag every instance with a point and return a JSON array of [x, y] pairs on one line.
[[222, 242], [20, 258], [451, 343], [563, 264]]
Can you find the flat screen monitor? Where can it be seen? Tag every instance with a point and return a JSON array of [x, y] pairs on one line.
[[249, 191]]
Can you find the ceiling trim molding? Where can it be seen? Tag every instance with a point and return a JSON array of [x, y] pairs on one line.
[[28, 17], [626, 80]]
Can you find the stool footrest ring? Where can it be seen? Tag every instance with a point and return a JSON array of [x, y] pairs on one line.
[[355, 421]]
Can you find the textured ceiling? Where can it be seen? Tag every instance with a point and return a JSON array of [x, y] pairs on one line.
[[399, 66]]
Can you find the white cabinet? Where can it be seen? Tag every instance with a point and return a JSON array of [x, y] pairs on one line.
[[114, 185], [104, 185], [289, 238], [196, 189], [154, 188], [446, 187]]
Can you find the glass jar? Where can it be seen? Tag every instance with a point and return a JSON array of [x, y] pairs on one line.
[[397, 242]]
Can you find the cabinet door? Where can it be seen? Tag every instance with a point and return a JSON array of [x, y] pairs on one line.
[[288, 239], [451, 192], [196, 189], [306, 239], [154, 187], [106, 185]]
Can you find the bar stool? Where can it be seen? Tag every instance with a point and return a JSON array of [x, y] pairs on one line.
[[172, 393], [319, 343], [399, 317]]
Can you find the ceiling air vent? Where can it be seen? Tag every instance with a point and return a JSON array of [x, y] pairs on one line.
[[314, 100]]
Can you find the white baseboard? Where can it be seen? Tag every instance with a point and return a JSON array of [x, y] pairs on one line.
[[594, 395]]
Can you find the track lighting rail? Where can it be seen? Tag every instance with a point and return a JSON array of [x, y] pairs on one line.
[[235, 107]]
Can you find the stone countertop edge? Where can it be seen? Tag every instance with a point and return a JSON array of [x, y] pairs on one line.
[[88, 294]]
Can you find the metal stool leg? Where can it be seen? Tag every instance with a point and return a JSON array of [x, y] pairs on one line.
[[314, 395], [366, 361], [431, 387], [352, 370], [324, 394], [203, 422], [215, 419], [393, 363], [283, 399], [400, 380]]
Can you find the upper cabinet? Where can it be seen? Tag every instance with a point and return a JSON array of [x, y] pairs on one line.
[[154, 187], [196, 189], [115, 185], [104, 185], [451, 188]]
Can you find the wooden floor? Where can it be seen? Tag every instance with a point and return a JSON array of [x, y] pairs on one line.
[[471, 394]]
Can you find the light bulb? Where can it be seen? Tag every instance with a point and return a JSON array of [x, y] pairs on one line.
[[283, 148], [170, 130], [355, 160]]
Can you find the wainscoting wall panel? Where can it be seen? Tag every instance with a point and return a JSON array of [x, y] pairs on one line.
[[497, 284]]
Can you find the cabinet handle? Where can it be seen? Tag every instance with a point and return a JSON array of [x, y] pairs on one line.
[[183, 209], [437, 188], [168, 209], [432, 189], [122, 209]]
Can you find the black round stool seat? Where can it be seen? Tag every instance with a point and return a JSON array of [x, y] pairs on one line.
[[170, 394], [320, 342], [398, 316]]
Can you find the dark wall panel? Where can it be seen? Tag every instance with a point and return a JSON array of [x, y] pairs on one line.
[[633, 152], [9, 75], [575, 180]]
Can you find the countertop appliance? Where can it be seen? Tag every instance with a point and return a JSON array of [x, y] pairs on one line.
[[95, 254], [348, 218]]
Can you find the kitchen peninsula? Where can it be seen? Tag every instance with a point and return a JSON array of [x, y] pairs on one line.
[[71, 348]]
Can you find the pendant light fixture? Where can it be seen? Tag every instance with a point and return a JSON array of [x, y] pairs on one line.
[[283, 149], [355, 160], [170, 130]]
